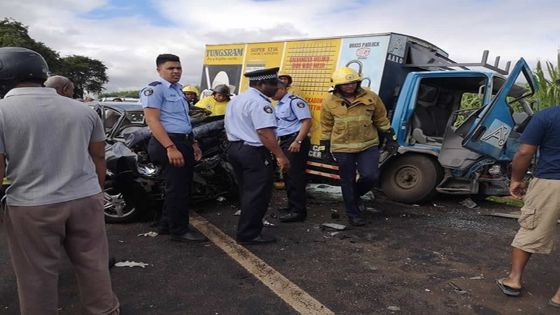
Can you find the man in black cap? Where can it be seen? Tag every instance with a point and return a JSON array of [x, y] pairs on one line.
[[250, 124]]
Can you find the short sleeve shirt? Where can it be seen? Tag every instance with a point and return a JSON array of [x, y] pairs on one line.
[[544, 131], [173, 106], [45, 138], [290, 111], [247, 113]]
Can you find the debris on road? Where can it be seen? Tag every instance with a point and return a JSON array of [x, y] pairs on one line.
[[149, 234], [469, 203], [456, 288], [237, 213], [268, 223], [334, 226], [393, 308], [477, 277], [131, 264], [506, 215], [220, 199], [329, 192]]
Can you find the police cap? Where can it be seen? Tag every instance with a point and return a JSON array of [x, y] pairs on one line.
[[262, 74]]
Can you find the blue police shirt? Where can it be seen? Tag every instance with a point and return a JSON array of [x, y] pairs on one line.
[[171, 102], [246, 113], [544, 131], [290, 111]]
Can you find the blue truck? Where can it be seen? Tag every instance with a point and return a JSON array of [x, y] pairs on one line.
[[445, 147]]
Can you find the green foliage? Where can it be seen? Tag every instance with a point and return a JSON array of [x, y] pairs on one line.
[[132, 93], [14, 34], [548, 93], [86, 73]]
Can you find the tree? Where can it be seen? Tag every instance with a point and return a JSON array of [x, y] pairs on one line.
[[86, 73], [14, 34]]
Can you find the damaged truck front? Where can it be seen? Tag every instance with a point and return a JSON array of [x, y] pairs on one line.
[[444, 147]]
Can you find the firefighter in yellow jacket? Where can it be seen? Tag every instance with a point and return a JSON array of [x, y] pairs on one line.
[[217, 103], [351, 119]]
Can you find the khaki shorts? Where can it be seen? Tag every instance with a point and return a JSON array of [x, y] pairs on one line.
[[538, 217]]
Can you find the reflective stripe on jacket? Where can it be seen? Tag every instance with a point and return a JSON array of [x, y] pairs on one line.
[[352, 127]]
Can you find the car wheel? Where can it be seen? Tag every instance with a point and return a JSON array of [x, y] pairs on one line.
[[118, 208], [411, 178]]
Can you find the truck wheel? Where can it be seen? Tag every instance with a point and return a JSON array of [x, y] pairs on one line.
[[118, 208], [411, 179]]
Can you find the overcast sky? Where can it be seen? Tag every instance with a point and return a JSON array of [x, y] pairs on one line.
[[127, 35]]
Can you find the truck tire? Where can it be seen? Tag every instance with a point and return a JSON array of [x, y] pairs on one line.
[[411, 178]]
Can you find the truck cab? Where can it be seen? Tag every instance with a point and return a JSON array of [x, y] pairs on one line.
[[450, 149]]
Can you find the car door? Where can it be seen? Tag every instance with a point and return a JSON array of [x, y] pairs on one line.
[[491, 132]]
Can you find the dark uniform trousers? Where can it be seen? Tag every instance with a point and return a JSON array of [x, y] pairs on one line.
[[178, 181], [254, 171], [295, 177], [366, 163]]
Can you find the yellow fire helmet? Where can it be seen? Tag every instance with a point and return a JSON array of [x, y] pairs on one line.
[[190, 88], [345, 75]]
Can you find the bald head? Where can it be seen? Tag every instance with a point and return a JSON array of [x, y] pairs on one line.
[[62, 85]]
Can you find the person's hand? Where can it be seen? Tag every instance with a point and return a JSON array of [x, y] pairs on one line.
[[294, 147], [197, 152], [283, 163], [391, 146], [175, 156], [518, 189]]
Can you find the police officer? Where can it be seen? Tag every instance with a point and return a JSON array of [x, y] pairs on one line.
[[350, 119], [250, 126], [294, 121], [286, 78], [172, 146]]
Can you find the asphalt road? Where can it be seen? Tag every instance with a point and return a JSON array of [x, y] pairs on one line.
[[439, 258]]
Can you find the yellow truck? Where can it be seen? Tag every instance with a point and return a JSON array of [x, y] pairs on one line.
[[442, 148]]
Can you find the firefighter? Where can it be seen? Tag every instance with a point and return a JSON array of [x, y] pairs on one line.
[[286, 78], [250, 126], [191, 94], [351, 119], [218, 102]]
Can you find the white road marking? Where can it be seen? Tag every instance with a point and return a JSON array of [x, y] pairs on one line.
[[288, 291]]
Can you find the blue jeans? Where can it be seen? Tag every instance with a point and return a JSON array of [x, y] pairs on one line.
[[366, 165]]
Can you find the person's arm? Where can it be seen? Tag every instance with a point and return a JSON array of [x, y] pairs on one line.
[[520, 165], [97, 153], [303, 131], [269, 140], [152, 117]]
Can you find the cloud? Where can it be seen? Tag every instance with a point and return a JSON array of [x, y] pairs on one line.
[[127, 39]]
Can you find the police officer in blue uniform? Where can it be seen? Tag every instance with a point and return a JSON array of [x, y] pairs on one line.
[[172, 146], [294, 121], [250, 126]]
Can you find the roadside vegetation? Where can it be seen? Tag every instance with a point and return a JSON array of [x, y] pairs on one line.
[[89, 75]]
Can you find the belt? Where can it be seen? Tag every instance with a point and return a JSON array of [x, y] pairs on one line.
[[181, 136], [285, 137]]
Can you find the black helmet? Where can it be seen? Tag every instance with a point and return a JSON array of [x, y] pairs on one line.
[[20, 64], [222, 88]]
